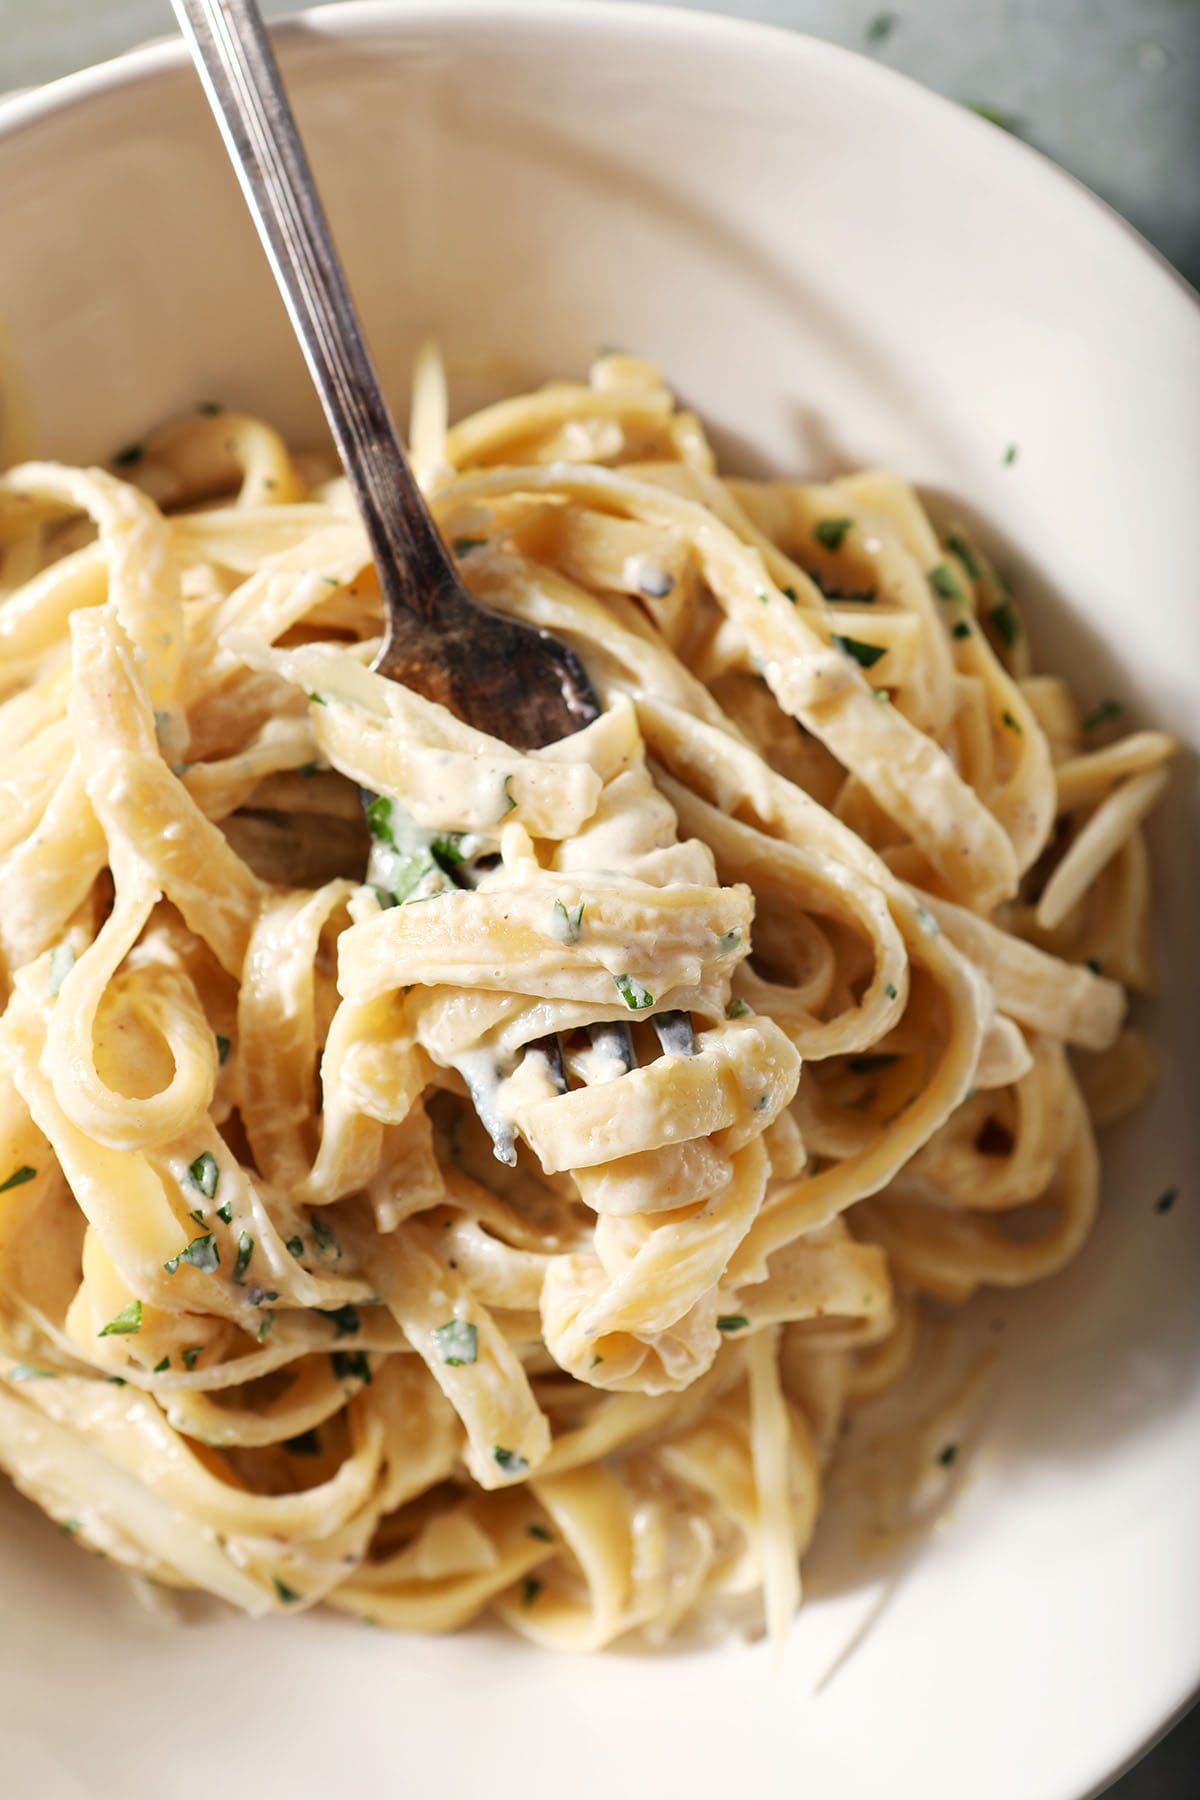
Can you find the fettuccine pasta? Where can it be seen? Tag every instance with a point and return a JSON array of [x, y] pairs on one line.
[[350, 1252]]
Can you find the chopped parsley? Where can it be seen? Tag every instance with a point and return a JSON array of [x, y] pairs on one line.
[[1007, 625], [294, 1246], [463, 546], [510, 804], [510, 1460], [245, 1251], [944, 582], [866, 1065], [1010, 456], [540, 1533], [288, 1595], [326, 1243], [1093, 963], [891, 991], [927, 922], [1006, 718], [866, 655], [225, 1213], [265, 1327], [163, 1363], [566, 922], [791, 594], [344, 1319], [318, 699], [62, 961], [1166, 1201], [960, 629], [351, 1365], [202, 1253], [448, 848], [130, 454], [191, 1355], [27, 1372], [737, 1008], [457, 1343], [881, 27], [732, 1322], [196, 1216], [127, 1322], [947, 1454], [994, 115], [830, 532], [531, 1587], [1104, 714], [222, 1049], [204, 1174], [635, 996], [305, 1443], [966, 556], [18, 1178]]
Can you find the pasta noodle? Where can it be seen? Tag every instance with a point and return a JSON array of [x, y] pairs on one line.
[[320, 1279]]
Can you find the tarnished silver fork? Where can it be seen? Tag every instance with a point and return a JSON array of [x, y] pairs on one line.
[[516, 682]]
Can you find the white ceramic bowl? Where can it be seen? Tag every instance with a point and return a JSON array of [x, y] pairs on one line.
[[834, 267]]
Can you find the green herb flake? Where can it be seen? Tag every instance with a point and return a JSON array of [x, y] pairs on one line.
[[540, 1533], [1166, 1201], [566, 922], [202, 1254], [116, 1380], [947, 1455], [830, 532], [62, 961], [18, 1178], [791, 594], [128, 456], [959, 547], [865, 655], [318, 699], [1010, 456], [457, 1343], [326, 1243], [127, 1322], [245, 1251], [765, 599], [265, 1328], [448, 847], [595, 1362], [737, 1008], [994, 115], [196, 1216], [379, 820], [1093, 963], [944, 583], [881, 27], [288, 1595], [732, 1322], [510, 804], [882, 695], [204, 1174], [191, 1355], [333, 581], [891, 990], [344, 1319], [1007, 625], [960, 629], [1104, 714], [927, 922], [463, 546], [1006, 718], [636, 997], [27, 1372], [225, 1213], [294, 1246], [70, 1526], [510, 1460], [222, 1050], [163, 1363], [531, 1587], [351, 1365], [305, 1443]]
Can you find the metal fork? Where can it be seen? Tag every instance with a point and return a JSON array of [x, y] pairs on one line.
[[512, 680]]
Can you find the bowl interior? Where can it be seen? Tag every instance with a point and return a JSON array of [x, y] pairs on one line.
[[834, 269]]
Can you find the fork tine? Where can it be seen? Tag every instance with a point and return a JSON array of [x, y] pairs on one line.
[[675, 1033], [614, 1042], [551, 1049]]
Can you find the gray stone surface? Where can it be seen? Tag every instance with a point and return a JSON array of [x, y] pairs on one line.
[[1109, 88]]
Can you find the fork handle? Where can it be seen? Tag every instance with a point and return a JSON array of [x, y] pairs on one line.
[[237, 66]]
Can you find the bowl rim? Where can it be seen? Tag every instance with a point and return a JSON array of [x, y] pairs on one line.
[[364, 18], [28, 108]]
